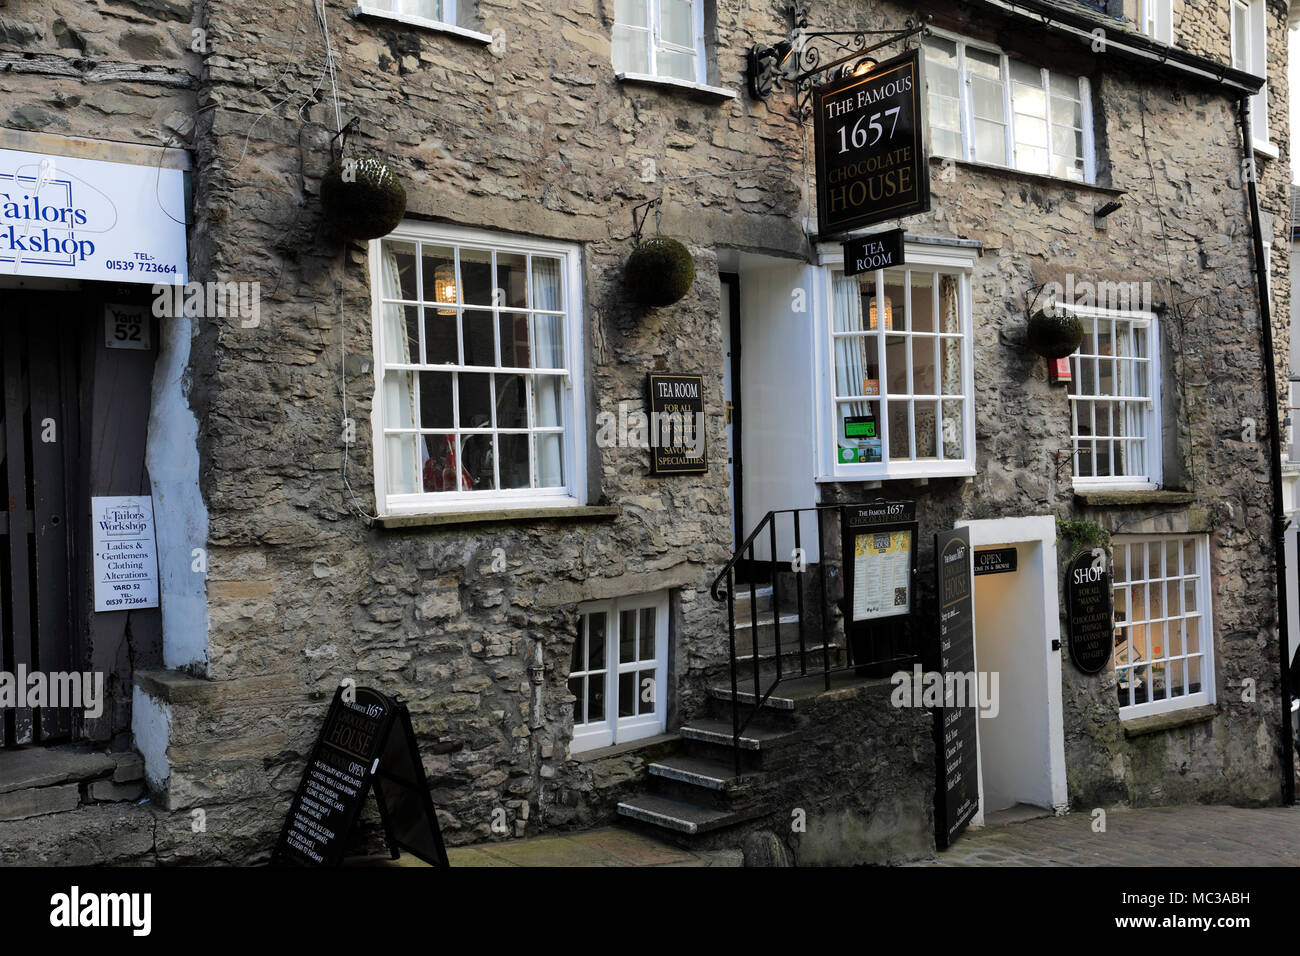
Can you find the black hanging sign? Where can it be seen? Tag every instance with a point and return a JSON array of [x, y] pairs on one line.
[[677, 425], [882, 250], [996, 561], [1090, 607], [878, 512], [356, 748], [956, 755], [871, 147]]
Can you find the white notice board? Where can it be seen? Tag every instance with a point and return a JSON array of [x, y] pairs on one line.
[[126, 553]]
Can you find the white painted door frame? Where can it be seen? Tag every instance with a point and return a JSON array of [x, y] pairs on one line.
[[1042, 530]]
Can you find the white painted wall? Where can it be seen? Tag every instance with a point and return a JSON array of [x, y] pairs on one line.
[[150, 725], [776, 389], [180, 516]]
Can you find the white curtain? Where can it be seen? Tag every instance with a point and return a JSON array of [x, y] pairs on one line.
[[399, 389], [1130, 457], [548, 332], [849, 371]]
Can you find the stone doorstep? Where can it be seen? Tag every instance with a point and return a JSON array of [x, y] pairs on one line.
[[39, 801], [37, 781], [34, 767]]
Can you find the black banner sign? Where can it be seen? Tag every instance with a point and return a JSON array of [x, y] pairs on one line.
[[1090, 606], [677, 425], [996, 561], [872, 152], [956, 756], [879, 512], [357, 747], [883, 250]]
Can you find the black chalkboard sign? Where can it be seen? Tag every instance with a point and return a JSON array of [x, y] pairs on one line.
[[880, 250], [1090, 607], [676, 424], [956, 756], [357, 748]]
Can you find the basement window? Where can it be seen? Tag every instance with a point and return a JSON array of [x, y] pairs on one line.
[[1164, 630], [618, 671]]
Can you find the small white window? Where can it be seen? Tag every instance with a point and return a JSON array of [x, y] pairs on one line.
[[897, 381], [478, 400], [456, 17], [988, 108], [1250, 53], [1115, 400], [660, 38], [1164, 631], [618, 673], [1157, 20]]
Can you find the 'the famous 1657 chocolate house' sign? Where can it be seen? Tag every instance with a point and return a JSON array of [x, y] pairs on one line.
[[872, 156]]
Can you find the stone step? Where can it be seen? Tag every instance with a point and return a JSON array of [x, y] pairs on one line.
[[680, 817], [697, 771], [32, 767], [715, 731], [762, 598]]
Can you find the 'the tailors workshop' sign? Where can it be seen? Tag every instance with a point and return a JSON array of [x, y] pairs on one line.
[[872, 155]]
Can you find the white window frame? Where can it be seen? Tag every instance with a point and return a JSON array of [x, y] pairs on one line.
[[1257, 55], [614, 729], [1153, 427], [574, 493], [655, 41], [392, 10], [1204, 613], [968, 118], [957, 260], [1157, 20]]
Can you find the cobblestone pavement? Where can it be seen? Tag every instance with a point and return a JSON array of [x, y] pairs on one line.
[[1162, 836], [608, 846]]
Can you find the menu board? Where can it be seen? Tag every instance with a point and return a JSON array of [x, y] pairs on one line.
[[956, 754], [882, 567]]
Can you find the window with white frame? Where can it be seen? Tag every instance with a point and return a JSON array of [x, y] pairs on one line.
[[619, 670], [1156, 20], [1115, 401], [660, 38], [988, 108], [417, 11], [1164, 635], [478, 371], [898, 372], [1250, 53]]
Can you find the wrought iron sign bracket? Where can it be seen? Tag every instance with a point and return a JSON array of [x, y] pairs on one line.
[[804, 55]]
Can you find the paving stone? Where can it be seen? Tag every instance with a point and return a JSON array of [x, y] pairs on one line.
[[21, 804], [47, 766]]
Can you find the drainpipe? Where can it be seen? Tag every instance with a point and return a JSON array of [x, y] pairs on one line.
[[1274, 456]]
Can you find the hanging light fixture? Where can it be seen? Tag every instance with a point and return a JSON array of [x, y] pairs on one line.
[[444, 286], [872, 318]]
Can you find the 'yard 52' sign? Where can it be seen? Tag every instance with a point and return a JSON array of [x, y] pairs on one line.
[[872, 157]]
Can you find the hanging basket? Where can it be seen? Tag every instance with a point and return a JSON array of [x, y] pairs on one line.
[[362, 197], [659, 272], [1054, 333]]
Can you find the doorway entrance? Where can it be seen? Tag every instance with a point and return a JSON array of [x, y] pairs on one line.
[[39, 469], [730, 322], [1017, 638]]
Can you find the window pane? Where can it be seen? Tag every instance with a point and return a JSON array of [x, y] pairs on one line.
[[480, 345], [922, 303], [927, 423], [475, 395], [677, 22], [986, 99], [440, 345], [548, 401], [679, 66], [549, 330], [990, 143], [900, 429], [631, 51], [857, 367], [514, 340], [954, 435], [627, 694], [647, 691], [513, 463], [429, 9], [398, 270], [399, 400], [1066, 112], [577, 687], [596, 641], [923, 365], [626, 637], [511, 290], [435, 400], [595, 699], [550, 461], [476, 276], [401, 326], [631, 12], [439, 271], [400, 452], [476, 450], [648, 634], [512, 402]]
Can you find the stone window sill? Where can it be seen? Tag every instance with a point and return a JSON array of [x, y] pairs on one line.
[[1010, 172], [421, 22], [670, 83], [1130, 499], [517, 515], [1267, 150], [619, 750], [1156, 723]]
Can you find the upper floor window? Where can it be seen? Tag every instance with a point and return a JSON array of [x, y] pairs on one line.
[[447, 16], [1115, 401], [660, 38], [987, 108], [1250, 53], [1164, 638], [896, 372], [1156, 20], [478, 398]]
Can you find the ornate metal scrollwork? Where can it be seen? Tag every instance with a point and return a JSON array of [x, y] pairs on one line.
[[799, 60]]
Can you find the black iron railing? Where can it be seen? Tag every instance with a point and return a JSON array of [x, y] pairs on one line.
[[814, 656]]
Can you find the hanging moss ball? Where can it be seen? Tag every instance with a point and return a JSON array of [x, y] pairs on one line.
[[660, 271], [1054, 333], [362, 197]]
